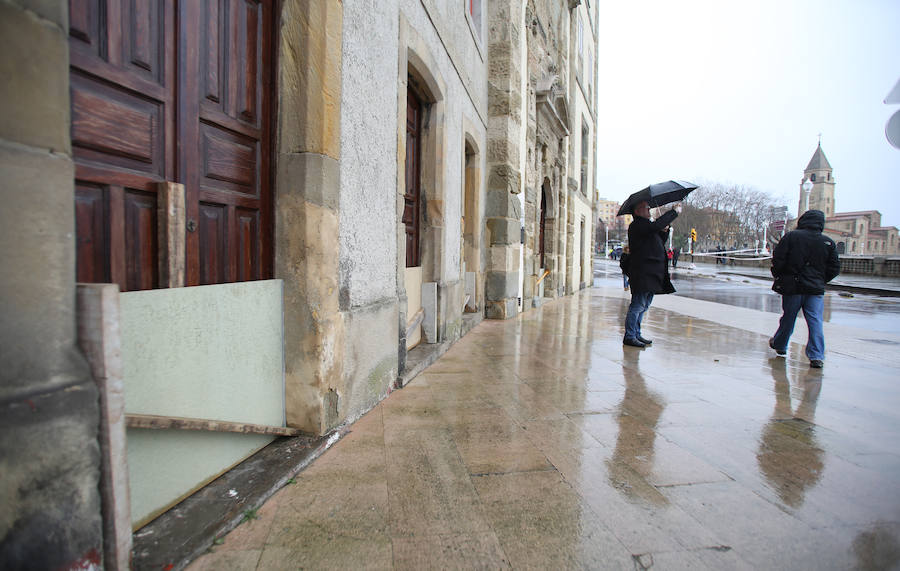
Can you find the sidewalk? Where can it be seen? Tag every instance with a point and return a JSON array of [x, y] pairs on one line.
[[850, 282], [542, 442]]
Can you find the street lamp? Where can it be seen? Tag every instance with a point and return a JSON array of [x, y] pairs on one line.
[[806, 186]]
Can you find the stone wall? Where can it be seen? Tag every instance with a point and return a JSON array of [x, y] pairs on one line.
[[49, 455]]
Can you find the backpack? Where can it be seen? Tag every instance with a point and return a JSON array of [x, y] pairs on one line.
[[625, 262]]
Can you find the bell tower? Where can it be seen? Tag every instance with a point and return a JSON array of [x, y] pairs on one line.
[[821, 195]]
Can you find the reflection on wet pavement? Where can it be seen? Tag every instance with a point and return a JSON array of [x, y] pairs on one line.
[[542, 442], [789, 455]]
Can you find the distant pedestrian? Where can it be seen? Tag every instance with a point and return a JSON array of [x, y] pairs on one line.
[[648, 267], [675, 258], [623, 263], [802, 263]]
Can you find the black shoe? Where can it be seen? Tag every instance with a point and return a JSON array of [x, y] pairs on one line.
[[644, 341], [632, 342], [816, 363], [777, 352]]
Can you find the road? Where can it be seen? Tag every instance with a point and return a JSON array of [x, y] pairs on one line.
[[862, 311]]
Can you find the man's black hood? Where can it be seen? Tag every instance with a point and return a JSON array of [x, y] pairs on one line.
[[812, 220]]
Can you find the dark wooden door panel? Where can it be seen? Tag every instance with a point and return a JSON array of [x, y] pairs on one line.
[[231, 161], [213, 231], [248, 244], [92, 245], [233, 46], [85, 24], [141, 255], [116, 127]]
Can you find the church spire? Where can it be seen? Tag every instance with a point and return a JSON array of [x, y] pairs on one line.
[[821, 194], [818, 160]]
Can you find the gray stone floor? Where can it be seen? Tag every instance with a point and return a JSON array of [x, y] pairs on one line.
[[542, 442]]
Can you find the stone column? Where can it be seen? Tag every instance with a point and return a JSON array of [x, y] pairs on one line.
[[502, 209], [306, 205], [49, 412]]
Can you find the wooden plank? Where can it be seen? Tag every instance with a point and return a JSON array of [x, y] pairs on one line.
[[152, 421]]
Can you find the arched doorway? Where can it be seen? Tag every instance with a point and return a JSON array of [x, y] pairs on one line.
[[542, 225], [471, 225]]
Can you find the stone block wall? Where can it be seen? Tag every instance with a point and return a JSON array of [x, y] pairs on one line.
[[49, 455]]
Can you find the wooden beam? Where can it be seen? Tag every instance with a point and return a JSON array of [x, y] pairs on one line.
[[161, 422]]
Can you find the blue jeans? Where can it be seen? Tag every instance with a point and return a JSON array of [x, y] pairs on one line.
[[813, 306], [640, 303]]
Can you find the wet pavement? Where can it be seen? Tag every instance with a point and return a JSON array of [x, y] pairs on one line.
[[542, 442], [739, 287]]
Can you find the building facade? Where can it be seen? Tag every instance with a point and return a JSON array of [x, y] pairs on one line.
[[367, 181], [855, 233]]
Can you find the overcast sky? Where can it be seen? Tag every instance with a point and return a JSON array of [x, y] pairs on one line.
[[737, 92]]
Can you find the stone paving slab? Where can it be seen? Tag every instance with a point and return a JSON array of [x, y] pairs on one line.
[[543, 442]]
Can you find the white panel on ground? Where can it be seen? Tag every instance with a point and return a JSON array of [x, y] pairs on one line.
[[209, 352]]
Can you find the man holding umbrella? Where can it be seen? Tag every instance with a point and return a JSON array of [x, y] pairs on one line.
[[648, 269]]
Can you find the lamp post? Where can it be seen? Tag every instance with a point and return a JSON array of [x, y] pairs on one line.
[[806, 186]]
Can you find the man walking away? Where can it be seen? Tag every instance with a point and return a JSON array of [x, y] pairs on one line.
[[648, 268], [802, 263]]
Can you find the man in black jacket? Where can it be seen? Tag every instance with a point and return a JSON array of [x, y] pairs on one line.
[[802, 263], [648, 268]]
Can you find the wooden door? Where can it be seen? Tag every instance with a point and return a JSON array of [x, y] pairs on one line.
[[134, 126], [411, 198], [123, 123], [225, 129]]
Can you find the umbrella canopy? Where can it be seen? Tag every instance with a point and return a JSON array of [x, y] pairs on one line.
[[657, 195]]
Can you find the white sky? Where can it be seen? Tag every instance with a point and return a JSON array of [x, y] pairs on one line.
[[737, 92]]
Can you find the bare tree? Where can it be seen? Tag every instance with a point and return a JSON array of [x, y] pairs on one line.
[[726, 215]]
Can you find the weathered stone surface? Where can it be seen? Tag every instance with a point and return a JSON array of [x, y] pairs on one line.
[[370, 358], [503, 259], [310, 77], [499, 285], [306, 258], [502, 309], [502, 203], [314, 176], [52, 10], [503, 177], [34, 91], [505, 231], [36, 220], [49, 470]]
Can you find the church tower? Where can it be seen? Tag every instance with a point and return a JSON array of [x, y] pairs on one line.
[[821, 196]]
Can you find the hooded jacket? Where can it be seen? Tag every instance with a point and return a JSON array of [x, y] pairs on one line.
[[806, 259]]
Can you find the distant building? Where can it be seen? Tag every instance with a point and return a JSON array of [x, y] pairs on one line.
[[855, 233], [606, 212]]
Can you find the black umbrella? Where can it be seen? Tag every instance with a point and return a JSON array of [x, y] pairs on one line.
[[657, 195]]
